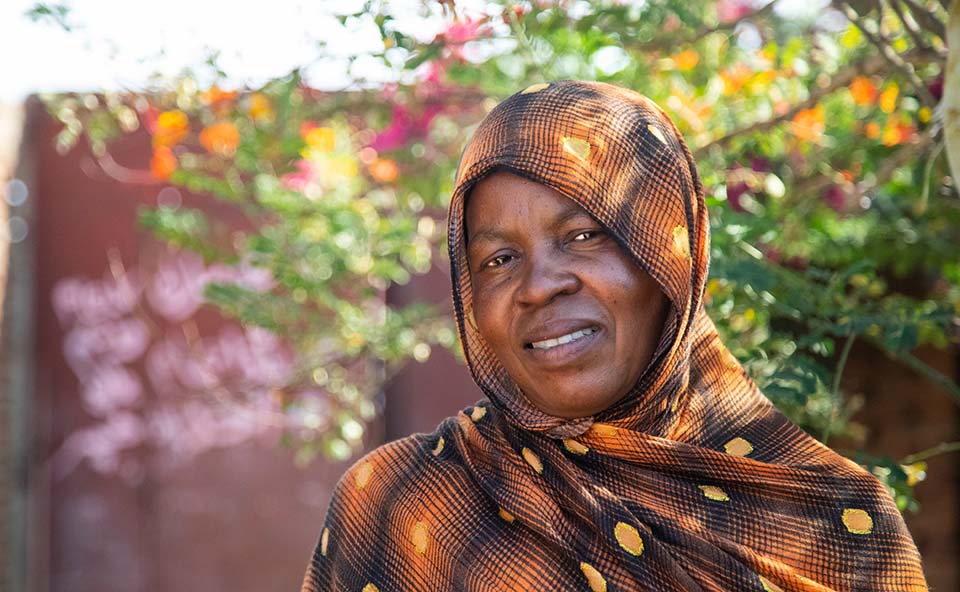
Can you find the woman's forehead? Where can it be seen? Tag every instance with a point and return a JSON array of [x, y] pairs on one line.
[[503, 199]]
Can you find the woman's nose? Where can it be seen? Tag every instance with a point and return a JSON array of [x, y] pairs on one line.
[[545, 278]]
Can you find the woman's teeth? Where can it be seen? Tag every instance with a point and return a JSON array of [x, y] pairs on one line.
[[563, 339]]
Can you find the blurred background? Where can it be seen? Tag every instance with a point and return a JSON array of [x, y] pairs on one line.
[[223, 255]]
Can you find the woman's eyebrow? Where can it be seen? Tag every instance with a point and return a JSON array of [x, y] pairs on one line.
[[572, 212], [486, 235], [494, 235]]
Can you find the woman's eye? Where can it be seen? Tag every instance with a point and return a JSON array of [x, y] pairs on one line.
[[498, 261], [585, 235]]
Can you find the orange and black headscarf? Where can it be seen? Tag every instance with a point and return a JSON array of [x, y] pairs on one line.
[[693, 481]]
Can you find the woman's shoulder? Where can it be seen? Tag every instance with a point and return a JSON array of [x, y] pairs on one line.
[[397, 469]]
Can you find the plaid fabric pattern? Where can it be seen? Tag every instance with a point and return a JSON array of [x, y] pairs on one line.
[[693, 482]]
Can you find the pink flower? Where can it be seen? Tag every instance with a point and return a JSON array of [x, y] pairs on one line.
[[732, 10], [432, 72], [111, 388], [101, 444], [112, 342], [257, 279], [461, 31], [299, 180], [82, 301], [173, 369], [405, 127], [176, 289]]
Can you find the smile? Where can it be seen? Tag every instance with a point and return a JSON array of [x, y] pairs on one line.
[[563, 339]]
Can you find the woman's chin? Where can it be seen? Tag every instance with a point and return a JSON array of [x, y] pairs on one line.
[[571, 405]]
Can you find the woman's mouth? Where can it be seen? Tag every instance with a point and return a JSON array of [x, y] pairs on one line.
[[547, 344]]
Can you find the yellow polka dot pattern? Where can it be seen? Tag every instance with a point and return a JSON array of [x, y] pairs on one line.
[[715, 493], [324, 541], [535, 88], [604, 429], [363, 474], [769, 586], [478, 413], [629, 538], [532, 459], [681, 242], [439, 447], [657, 133], [472, 321], [594, 578], [577, 147], [507, 516], [738, 447], [420, 536], [857, 521], [370, 588], [575, 447], [731, 361]]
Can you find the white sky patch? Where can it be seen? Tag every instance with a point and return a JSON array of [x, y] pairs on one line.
[[119, 45], [610, 59]]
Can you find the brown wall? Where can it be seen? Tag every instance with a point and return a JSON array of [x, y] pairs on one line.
[[236, 518], [904, 414]]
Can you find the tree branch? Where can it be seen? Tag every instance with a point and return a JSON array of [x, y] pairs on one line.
[[951, 94], [926, 19], [889, 53], [844, 78], [941, 448], [120, 173], [922, 368], [667, 42], [908, 22]]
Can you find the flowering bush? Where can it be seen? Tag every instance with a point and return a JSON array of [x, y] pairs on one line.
[[820, 139]]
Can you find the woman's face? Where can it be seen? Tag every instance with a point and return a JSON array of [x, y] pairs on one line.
[[570, 316]]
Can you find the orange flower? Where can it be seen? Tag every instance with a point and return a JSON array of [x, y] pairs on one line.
[[873, 130], [896, 132], [864, 91], [888, 98], [734, 78], [163, 163], [808, 124], [220, 138], [384, 170], [172, 126], [260, 107], [891, 135], [686, 60], [216, 95]]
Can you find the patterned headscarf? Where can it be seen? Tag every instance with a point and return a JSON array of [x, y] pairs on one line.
[[692, 481]]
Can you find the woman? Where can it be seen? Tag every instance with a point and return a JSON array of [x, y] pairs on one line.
[[622, 446]]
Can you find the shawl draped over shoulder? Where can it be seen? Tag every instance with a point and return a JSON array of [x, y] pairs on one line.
[[693, 481]]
